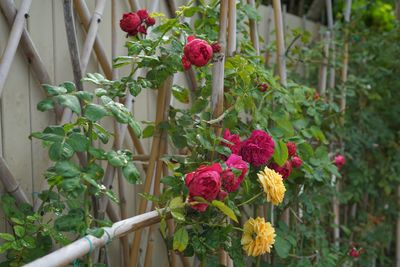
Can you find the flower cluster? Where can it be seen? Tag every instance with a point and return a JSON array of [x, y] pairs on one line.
[[212, 182], [136, 22], [293, 161], [198, 52]]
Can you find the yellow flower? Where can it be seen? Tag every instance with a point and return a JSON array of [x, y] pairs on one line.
[[272, 184], [258, 237]]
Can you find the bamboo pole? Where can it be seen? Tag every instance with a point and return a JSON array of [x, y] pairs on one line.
[[84, 16], [332, 70], [157, 179], [281, 61], [134, 4], [13, 41], [253, 30], [267, 38], [85, 245], [323, 71], [162, 93], [231, 45], [10, 184], [91, 33], [217, 95]]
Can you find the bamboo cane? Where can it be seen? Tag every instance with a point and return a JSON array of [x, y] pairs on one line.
[[13, 41], [231, 45], [332, 73], [323, 71], [91, 33], [217, 95], [281, 61], [82, 246], [84, 16], [253, 30], [267, 38], [134, 4], [162, 93], [10, 184], [157, 179]]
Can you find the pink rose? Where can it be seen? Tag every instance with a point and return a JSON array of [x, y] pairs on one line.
[[340, 161], [354, 253], [129, 23], [204, 182], [296, 162], [284, 170], [258, 148], [291, 147], [198, 51], [230, 180], [234, 139]]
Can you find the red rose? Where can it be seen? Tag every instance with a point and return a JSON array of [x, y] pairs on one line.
[[205, 182], [316, 96], [234, 139], [198, 51], [150, 21], [185, 63], [340, 161], [296, 162], [284, 170], [230, 180], [129, 23], [354, 253], [216, 47], [258, 148], [142, 13], [263, 87], [142, 29], [291, 147]]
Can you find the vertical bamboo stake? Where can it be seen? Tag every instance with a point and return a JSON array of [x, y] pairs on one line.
[[267, 38], [324, 66], [91, 34], [231, 45], [254, 30], [280, 41], [162, 93], [134, 4], [13, 41], [332, 73]]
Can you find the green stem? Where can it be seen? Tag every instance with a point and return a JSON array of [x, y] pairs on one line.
[[87, 196], [251, 199]]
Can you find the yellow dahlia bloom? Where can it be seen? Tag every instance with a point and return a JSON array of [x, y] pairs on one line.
[[258, 237], [272, 184]]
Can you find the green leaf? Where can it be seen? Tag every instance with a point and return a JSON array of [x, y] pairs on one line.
[[54, 90], [78, 142], [181, 94], [282, 247], [7, 237], [71, 102], [84, 95], [281, 153], [96, 232], [70, 86], [131, 173], [45, 104], [176, 206], [148, 131], [225, 209], [66, 169], [117, 159], [181, 239], [95, 112], [135, 127], [60, 150], [19, 230]]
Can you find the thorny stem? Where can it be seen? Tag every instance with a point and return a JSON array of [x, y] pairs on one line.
[[251, 199]]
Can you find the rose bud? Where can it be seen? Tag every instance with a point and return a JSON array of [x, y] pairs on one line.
[[142, 13], [339, 161], [291, 147], [216, 47], [185, 63], [263, 87], [142, 29], [296, 162], [129, 23], [150, 21], [284, 170]]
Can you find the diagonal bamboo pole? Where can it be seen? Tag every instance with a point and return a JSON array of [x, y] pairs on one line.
[[253, 30], [91, 33], [84, 16], [13, 41], [162, 94], [10, 184]]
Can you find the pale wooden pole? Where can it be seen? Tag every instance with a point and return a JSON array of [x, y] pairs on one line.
[[267, 38], [84, 16], [10, 184], [332, 74], [231, 44], [253, 30], [85, 245], [162, 93], [280, 41], [91, 33], [13, 41], [134, 5], [323, 71]]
